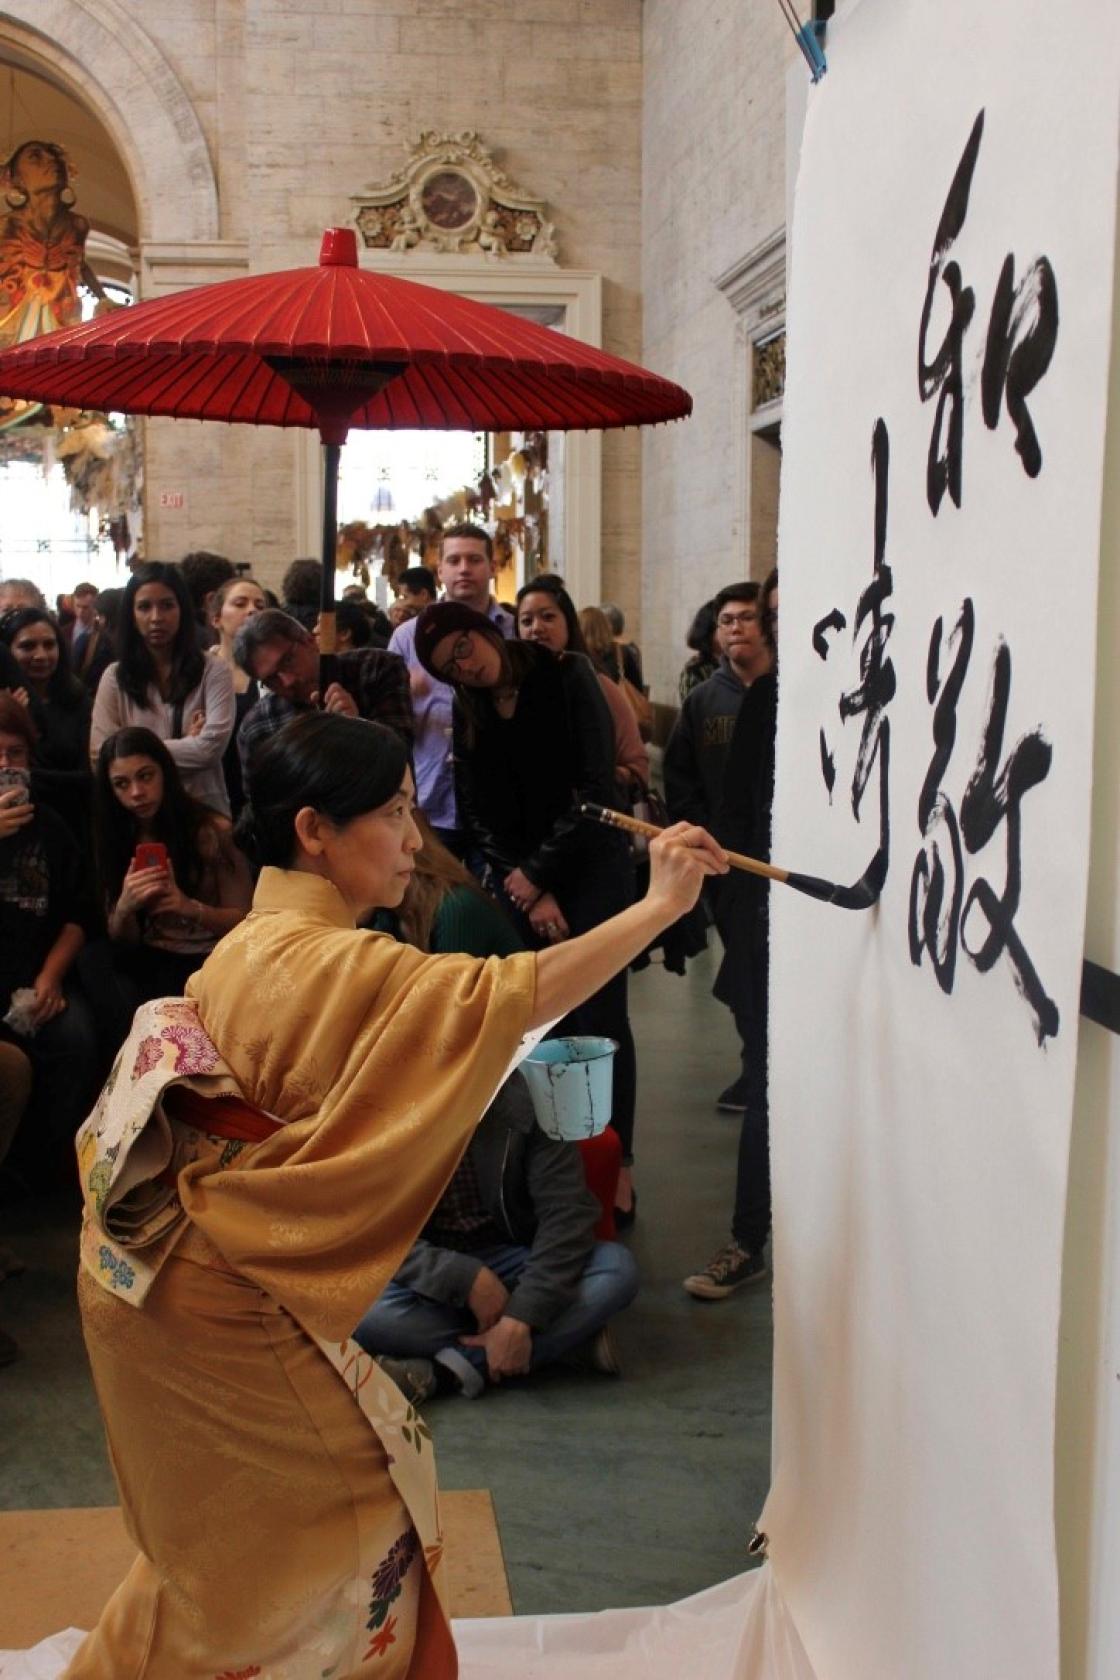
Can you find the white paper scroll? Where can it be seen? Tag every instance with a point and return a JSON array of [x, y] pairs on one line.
[[949, 333]]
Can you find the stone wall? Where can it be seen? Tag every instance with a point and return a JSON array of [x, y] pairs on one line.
[[303, 102], [713, 188]]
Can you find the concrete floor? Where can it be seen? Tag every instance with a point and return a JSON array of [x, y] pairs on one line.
[[607, 1492]]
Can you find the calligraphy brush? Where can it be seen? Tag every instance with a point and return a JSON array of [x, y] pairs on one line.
[[860, 896]]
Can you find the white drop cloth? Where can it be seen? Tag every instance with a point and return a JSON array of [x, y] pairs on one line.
[[737, 1630]]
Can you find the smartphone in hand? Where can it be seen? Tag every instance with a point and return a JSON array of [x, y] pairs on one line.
[[16, 778], [150, 854]]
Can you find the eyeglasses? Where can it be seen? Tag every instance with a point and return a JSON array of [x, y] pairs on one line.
[[728, 621], [460, 653]]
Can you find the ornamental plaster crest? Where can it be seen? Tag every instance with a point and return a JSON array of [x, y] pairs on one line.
[[452, 197]]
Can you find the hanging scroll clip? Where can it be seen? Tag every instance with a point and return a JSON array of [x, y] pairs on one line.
[[809, 36]]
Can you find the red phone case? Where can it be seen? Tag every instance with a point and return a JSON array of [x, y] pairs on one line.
[[151, 854]]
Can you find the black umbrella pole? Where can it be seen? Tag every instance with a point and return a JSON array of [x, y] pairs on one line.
[[328, 662]]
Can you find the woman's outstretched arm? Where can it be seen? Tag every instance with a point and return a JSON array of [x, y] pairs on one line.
[[681, 859]]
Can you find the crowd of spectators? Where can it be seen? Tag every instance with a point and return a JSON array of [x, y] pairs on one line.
[[130, 723]]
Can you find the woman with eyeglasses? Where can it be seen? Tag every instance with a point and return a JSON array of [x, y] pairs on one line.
[[163, 681], [60, 709], [533, 740]]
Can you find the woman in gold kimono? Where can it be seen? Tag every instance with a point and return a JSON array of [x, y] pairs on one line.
[[262, 1158]]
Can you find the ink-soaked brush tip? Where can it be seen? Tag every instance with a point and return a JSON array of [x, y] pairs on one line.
[[868, 889]]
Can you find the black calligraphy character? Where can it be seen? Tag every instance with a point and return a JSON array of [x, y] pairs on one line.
[[876, 687], [941, 917], [834, 620], [944, 373], [1022, 332], [828, 765], [993, 797], [933, 925]]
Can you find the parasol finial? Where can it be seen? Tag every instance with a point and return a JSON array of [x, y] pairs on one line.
[[339, 248]]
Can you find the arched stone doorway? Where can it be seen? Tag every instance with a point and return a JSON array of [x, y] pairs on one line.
[[104, 57]]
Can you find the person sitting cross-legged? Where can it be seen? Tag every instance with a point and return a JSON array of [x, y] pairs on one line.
[[506, 1276]]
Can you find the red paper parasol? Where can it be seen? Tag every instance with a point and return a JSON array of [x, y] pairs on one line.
[[334, 347]]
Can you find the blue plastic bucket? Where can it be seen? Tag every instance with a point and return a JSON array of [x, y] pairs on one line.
[[570, 1083]]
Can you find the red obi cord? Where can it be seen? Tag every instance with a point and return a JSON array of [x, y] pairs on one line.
[[224, 1117]]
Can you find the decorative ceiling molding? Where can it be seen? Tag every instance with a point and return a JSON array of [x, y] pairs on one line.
[[755, 286], [452, 197]]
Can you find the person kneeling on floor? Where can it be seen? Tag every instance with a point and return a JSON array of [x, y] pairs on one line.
[[507, 1275]]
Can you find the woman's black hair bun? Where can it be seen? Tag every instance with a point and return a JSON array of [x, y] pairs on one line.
[[342, 767]]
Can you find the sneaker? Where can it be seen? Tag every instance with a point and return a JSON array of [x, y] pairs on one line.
[[416, 1378], [599, 1354], [461, 1372], [726, 1271], [734, 1099], [604, 1354]]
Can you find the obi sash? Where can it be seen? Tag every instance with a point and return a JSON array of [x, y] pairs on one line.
[[169, 1090]]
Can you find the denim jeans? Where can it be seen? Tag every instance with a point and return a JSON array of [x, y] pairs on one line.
[[408, 1325]]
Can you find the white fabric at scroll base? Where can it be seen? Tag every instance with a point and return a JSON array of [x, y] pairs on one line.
[[738, 1630]]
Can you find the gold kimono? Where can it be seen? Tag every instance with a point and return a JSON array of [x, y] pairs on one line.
[[280, 1489]]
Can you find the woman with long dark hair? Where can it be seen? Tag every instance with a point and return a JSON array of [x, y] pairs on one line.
[[165, 908], [162, 681], [60, 709], [532, 741], [546, 614], [46, 914], [264, 1157]]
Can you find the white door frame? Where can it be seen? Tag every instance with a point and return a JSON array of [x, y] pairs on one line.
[[575, 295]]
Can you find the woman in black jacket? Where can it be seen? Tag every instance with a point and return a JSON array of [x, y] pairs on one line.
[[60, 709], [46, 913], [533, 739]]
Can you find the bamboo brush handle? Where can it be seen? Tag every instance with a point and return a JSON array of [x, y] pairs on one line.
[[634, 825]]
